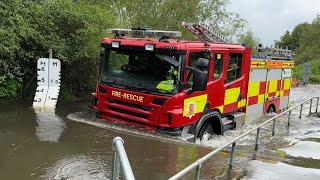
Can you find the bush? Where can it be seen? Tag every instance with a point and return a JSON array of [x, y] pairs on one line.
[[73, 29], [314, 74]]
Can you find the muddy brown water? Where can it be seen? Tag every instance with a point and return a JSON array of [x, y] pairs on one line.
[[41, 145]]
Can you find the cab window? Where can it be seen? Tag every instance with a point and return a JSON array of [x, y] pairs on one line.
[[234, 67], [218, 66], [193, 57]]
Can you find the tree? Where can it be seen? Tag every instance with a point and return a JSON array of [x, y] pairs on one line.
[[291, 39], [216, 15], [305, 42], [168, 15], [286, 41], [249, 40], [73, 29], [309, 43]]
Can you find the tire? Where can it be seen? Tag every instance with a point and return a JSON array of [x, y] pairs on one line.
[[206, 133], [97, 115]]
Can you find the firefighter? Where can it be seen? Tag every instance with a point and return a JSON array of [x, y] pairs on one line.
[[171, 78]]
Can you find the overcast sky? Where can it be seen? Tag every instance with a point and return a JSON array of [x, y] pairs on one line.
[[270, 19]]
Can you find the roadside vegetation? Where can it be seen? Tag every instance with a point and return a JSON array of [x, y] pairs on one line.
[[73, 29], [304, 40]]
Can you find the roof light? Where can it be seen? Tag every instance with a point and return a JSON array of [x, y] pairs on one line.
[[149, 47], [145, 33], [115, 44]]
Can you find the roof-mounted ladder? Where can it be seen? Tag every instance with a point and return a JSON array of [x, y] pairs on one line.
[[204, 32]]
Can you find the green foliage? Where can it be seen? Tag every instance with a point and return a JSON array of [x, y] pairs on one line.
[[168, 15], [73, 29], [304, 40], [315, 71], [249, 40], [9, 88], [216, 15], [292, 39]]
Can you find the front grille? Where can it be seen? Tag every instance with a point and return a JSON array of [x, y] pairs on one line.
[[126, 119], [130, 105], [128, 112]]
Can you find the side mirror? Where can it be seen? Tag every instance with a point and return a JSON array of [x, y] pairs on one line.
[[200, 75]]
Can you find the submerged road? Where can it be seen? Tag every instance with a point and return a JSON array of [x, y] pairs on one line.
[[35, 145]]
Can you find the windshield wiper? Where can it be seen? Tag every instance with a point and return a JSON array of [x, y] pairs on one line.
[[171, 61], [114, 83], [168, 59]]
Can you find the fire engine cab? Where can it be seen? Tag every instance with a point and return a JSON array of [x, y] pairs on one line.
[[191, 89]]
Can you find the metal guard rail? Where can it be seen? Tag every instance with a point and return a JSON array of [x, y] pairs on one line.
[[197, 165], [120, 158]]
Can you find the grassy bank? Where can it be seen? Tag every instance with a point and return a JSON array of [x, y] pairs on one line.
[[315, 71]]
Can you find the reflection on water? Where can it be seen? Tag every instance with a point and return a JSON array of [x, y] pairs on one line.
[[78, 167], [50, 125]]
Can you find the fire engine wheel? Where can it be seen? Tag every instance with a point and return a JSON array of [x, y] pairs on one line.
[[206, 132], [97, 115]]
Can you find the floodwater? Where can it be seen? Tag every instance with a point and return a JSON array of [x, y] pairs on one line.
[[37, 144], [40, 145]]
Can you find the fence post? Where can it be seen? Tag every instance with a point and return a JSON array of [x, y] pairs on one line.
[[301, 111], [289, 116], [310, 108], [317, 104], [197, 173], [257, 140], [232, 155], [116, 164], [273, 127]]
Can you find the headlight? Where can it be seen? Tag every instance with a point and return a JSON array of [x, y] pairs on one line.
[[149, 47], [115, 44]]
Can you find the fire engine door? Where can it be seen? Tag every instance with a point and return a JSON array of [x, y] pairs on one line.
[[194, 103], [234, 82]]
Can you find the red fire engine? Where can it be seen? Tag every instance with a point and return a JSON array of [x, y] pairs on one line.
[[192, 89]]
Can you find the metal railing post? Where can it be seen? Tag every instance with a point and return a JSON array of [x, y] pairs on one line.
[[121, 161], [273, 127], [116, 164], [197, 173], [301, 111], [257, 140], [317, 104], [310, 108], [232, 155], [289, 116]]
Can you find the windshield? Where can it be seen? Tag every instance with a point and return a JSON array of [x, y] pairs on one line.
[[143, 71]]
